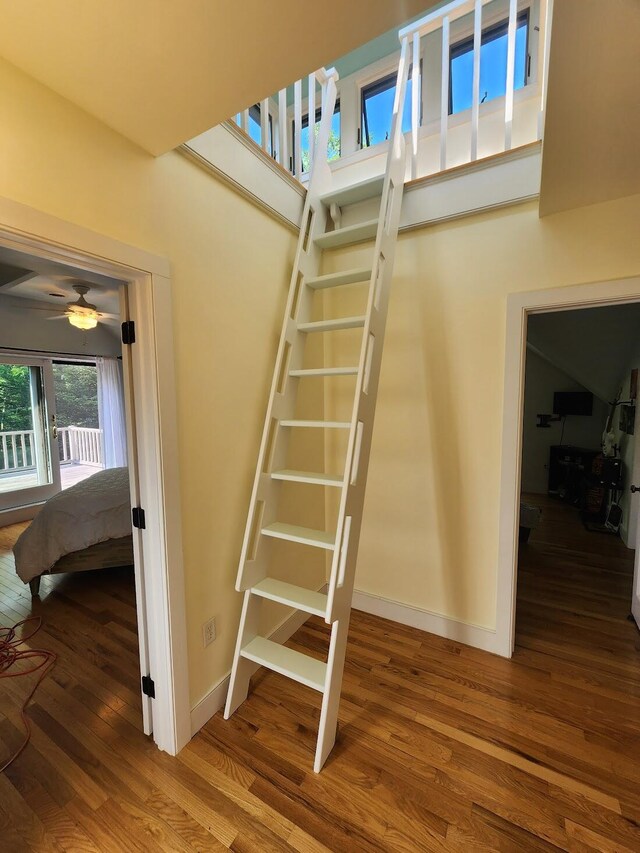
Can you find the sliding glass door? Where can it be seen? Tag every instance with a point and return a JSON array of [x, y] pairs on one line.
[[29, 458]]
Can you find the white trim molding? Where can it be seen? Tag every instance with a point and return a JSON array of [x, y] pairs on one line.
[[425, 620], [519, 306], [17, 514], [233, 157]]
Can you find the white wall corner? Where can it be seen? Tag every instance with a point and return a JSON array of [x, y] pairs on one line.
[[432, 623]]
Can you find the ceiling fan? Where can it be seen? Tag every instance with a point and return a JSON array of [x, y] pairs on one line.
[[82, 314]]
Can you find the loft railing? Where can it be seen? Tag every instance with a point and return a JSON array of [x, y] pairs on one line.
[[80, 445], [438, 137], [275, 141], [442, 19]]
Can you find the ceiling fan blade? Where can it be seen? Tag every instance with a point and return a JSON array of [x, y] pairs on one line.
[[57, 317]]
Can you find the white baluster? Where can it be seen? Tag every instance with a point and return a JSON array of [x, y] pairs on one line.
[[264, 124], [544, 44], [416, 98], [283, 147], [245, 121], [511, 66], [311, 115], [297, 127], [475, 96], [444, 95]]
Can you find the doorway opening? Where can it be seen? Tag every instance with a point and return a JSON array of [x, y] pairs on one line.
[[144, 644], [578, 517], [568, 573]]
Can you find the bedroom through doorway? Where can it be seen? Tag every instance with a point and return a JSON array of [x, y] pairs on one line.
[[68, 552]]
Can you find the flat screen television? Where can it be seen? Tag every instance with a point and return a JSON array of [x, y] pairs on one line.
[[572, 403]]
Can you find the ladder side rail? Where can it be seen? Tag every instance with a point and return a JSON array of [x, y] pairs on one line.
[[344, 567], [352, 499], [253, 562], [390, 204]]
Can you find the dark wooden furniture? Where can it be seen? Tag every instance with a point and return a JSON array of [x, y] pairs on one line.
[[104, 555], [568, 466]]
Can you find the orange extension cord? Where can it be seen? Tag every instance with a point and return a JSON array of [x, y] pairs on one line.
[[11, 654]]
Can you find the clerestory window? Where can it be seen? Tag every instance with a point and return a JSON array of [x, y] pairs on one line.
[[493, 64], [377, 110], [333, 148], [255, 128]]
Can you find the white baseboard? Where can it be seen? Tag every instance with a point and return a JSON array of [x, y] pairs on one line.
[[211, 703], [433, 623]]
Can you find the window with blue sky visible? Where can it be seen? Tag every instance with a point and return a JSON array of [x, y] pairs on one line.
[[333, 148], [377, 110], [255, 128], [493, 65]]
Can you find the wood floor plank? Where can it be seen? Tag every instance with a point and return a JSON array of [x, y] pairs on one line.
[[440, 746]]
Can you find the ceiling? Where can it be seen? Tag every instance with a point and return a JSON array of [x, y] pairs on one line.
[[161, 73], [37, 284], [592, 128], [612, 345]]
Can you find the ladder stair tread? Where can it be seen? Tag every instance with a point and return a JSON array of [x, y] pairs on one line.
[[333, 325], [292, 596], [325, 371], [336, 279], [318, 424], [361, 191], [301, 668], [348, 235], [307, 477], [304, 535]]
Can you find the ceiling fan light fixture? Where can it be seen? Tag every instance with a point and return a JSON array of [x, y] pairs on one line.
[[83, 321], [82, 314]]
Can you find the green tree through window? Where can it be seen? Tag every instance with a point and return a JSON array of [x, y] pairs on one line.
[[15, 398], [76, 388]]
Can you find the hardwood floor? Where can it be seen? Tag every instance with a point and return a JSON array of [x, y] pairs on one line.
[[440, 746]]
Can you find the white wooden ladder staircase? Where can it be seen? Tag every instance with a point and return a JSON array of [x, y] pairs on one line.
[[320, 232]]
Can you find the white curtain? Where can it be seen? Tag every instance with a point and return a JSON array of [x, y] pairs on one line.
[[111, 412]]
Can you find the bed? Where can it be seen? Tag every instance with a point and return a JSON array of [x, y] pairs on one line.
[[83, 528]]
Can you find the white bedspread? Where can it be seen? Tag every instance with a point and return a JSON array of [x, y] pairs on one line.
[[92, 511]]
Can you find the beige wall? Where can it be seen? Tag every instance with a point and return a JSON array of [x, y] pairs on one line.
[[230, 267], [431, 515], [430, 531]]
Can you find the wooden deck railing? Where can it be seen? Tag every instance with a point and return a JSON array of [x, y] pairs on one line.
[[82, 445], [79, 445], [16, 450]]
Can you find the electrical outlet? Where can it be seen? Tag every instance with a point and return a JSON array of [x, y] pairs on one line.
[[209, 632]]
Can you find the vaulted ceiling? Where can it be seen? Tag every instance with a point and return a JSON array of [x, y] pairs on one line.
[[160, 73]]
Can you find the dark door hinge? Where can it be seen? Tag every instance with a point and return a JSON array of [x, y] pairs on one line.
[[137, 518], [148, 686], [128, 332]]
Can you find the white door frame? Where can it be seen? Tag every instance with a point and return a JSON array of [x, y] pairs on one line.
[[149, 294], [519, 306]]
